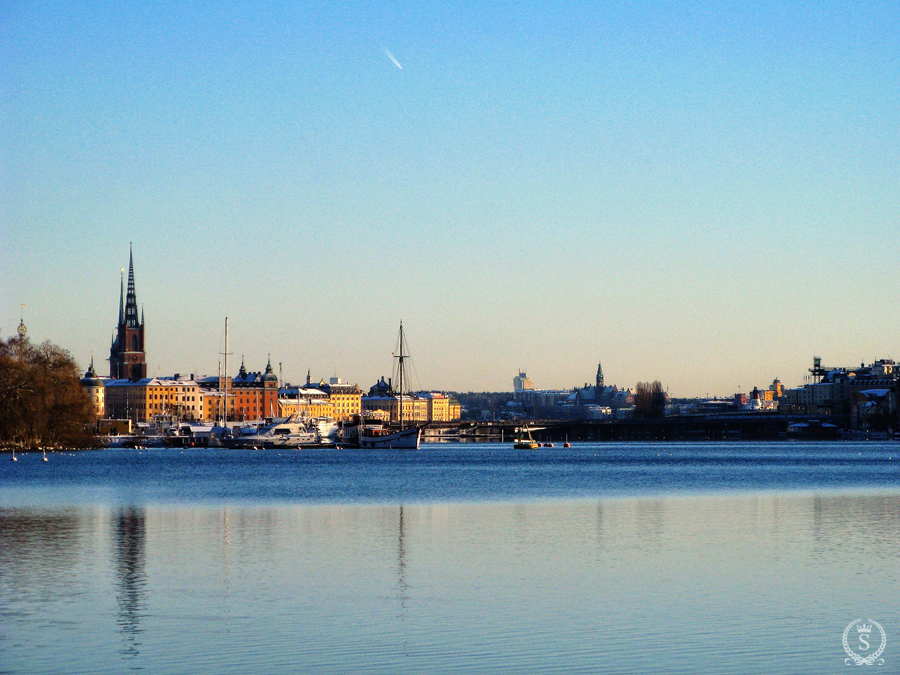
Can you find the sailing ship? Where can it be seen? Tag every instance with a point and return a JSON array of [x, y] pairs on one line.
[[397, 437]]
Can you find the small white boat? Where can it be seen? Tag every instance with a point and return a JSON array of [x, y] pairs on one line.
[[386, 438]]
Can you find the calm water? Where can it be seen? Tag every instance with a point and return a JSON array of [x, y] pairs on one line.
[[656, 558]]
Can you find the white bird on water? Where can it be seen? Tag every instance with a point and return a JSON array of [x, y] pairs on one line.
[[391, 57]]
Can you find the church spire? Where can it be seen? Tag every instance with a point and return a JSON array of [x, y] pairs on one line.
[[131, 312], [127, 358]]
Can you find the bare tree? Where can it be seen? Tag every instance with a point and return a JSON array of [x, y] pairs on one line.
[[41, 399], [650, 400]]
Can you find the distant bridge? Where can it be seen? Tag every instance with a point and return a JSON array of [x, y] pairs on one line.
[[739, 426]]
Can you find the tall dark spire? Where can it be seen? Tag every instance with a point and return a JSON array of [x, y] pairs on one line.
[[131, 310], [127, 358]]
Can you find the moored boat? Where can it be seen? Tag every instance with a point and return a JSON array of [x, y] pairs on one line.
[[288, 432], [392, 436], [524, 441], [387, 438]]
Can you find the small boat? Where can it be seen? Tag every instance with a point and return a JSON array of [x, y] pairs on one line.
[[182, 435], [524, 441], [388, 438]]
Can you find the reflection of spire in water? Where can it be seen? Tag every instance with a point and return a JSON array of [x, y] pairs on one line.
[[129, 536]]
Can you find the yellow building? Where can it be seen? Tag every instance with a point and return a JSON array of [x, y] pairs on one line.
[[141, 400], [309, 407], [211, 404], [415, 409], [345, 398], [438, 407]]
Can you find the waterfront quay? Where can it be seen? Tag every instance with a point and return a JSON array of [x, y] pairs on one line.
[[737, 426]]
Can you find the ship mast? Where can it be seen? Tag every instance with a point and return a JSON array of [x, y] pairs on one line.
[[400, 358], [225, 404]]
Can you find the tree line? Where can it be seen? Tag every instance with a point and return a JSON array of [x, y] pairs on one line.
[[41, 400]]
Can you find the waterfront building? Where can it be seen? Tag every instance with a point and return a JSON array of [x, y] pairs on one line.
[[442, 407], [144, 399], [415, 408], [212, 395], [308, 401], [127, 355], [862, 398], [94, 387], [346, 399], [307, 407], [438, 407], [255, 394]]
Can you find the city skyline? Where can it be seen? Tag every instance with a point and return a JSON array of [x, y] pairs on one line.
[[697, 195]]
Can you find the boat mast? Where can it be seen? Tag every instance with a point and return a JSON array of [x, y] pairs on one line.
[[400, 368], [225, 402]]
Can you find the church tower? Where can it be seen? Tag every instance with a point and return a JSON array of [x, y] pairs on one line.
[[127, 358], [598, 392]]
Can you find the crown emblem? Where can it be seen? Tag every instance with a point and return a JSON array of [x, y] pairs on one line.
[[864, 628]]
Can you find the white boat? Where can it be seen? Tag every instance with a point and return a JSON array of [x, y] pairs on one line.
[[396, 437], [387, 438], [289, 432]]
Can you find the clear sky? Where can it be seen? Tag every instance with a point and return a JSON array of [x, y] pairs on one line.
[[703, 193]]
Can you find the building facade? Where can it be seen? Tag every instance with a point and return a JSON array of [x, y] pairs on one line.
[[145, 399], [255, 394], [346, 398]]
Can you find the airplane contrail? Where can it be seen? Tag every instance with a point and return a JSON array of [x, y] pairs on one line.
[[391, 57]]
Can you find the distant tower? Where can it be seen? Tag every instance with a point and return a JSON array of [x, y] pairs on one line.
[[127, 358], [522, 382], [598, 390]]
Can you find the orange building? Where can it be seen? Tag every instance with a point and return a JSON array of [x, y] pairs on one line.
[[255, 394]]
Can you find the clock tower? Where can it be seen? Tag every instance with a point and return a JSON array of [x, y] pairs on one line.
[[127, 358]]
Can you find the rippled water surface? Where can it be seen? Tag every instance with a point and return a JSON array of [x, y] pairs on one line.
[[656, 558]]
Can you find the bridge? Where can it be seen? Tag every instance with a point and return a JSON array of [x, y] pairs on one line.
[[738, 426]]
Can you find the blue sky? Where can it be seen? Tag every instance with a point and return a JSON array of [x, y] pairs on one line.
[[702, 193]]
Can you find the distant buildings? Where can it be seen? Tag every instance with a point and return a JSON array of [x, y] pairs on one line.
[[592, 401], [384, 403], [522, 382], [862, 398]]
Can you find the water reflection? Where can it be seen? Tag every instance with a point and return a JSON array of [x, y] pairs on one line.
[[613, 585], [129, 540]]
